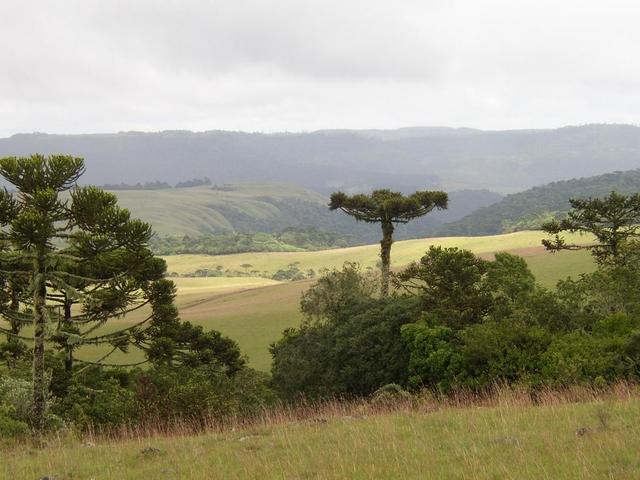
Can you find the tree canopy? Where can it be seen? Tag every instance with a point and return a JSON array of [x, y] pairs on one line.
[[387, 208], [612, 220]]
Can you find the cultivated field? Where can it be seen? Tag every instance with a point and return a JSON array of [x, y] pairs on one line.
[[506, 437], [254, 311], [402, 253]]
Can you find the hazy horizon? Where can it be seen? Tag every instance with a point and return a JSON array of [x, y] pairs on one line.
[[328, 129]]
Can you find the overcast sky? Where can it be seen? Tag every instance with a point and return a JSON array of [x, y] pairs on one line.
[[273, 65]]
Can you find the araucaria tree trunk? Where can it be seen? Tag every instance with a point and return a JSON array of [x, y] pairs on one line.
[[387, 208], [40, 329], [385, 257], [68, 349]]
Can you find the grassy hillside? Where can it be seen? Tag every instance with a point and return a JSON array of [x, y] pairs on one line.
[[529, 209], [255, 311], [272, 207], [508, 439], [246, 207]]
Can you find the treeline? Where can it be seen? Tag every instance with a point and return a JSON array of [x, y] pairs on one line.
[[288, 240], [529, 209], [157, 185], [291, 272]]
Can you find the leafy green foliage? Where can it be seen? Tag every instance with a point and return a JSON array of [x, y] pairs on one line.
[[198, 394], [336, 291], [448, 281], [613, 220], [473, 323], [354, 355]]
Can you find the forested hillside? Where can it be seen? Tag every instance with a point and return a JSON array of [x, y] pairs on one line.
[[529, 209], [405, 159]]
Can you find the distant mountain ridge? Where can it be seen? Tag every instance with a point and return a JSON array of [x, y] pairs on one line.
[[405, 159], [529, 209]]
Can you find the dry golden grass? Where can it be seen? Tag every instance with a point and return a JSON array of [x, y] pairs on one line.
[[578, 433]]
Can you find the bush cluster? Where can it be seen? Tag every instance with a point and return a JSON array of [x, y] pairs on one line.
[[459, 321]]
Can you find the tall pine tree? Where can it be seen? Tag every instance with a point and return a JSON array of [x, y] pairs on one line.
[[388, 208], [79, 259]]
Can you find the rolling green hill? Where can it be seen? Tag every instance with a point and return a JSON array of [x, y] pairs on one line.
[[272, 207], [403, 252], [529, 209], [245, 207]]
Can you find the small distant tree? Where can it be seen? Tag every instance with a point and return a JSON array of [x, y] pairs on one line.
[[613, 220], [388, 208]]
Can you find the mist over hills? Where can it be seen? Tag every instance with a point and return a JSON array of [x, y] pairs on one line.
[[404, 159]]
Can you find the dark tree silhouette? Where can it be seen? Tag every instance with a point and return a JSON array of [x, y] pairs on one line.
[[612, 220], [388, 208]]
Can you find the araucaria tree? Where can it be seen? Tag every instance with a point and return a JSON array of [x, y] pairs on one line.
[[388, 208], [82, 258], [613, 221]]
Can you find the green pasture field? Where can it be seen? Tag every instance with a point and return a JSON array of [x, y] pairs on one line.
[[254, 311]]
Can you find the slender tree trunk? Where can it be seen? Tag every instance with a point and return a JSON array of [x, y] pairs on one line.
[[385, 257], [14, 307], [39, 321], [68, 349]]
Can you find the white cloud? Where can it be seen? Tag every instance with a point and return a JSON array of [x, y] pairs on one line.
[[88, 65]]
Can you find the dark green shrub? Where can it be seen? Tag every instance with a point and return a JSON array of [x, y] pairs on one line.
[[105, 403], [200, 393], [431, 351], [10, 427], [476, 357], [355, 355]]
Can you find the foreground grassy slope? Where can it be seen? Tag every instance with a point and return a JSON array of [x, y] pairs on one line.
[[593, 440], [255, 311]]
